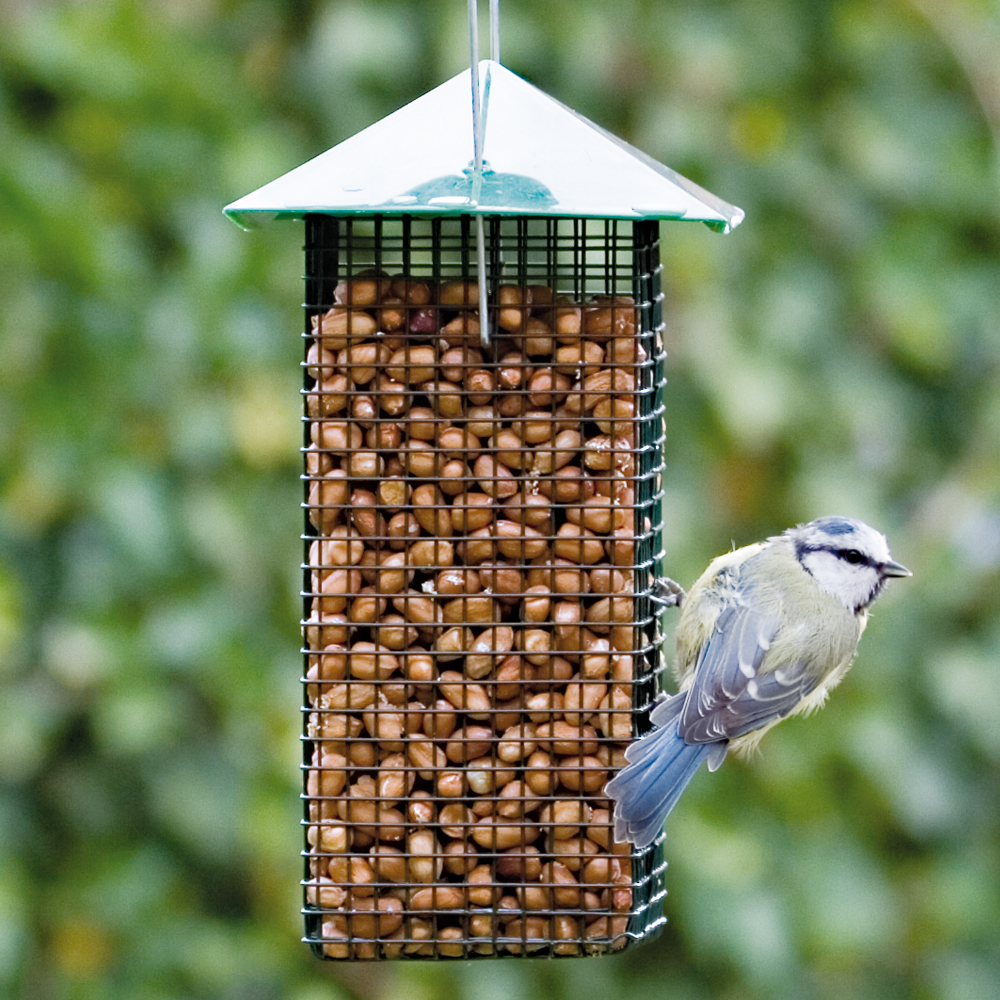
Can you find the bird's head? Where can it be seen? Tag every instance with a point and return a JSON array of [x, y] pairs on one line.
[[847, 558]]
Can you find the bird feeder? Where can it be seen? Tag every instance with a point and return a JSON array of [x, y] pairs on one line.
[[483, 432]]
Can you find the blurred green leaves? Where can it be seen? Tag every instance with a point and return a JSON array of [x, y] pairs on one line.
[[839, 353]]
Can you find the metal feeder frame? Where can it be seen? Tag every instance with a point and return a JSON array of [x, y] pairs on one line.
[[577, 258], [554, 209]]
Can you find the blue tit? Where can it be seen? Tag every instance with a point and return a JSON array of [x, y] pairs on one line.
[[766, 632]]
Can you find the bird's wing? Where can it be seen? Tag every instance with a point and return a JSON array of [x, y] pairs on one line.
[[729, 697]]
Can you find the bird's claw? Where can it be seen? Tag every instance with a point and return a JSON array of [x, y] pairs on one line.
[[668, 593]]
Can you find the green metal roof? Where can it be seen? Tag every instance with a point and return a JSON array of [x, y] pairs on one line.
[[539, 158]]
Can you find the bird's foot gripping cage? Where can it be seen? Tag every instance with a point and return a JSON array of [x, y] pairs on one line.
[[482, 537]]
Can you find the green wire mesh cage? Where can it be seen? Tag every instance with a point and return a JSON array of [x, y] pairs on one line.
[[483, 533]]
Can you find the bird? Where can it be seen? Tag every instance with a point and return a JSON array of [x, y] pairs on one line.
[[766, 632]]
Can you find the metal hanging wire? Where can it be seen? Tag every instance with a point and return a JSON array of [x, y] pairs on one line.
[[478, 138]]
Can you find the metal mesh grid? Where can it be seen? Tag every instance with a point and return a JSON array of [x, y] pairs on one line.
[[482, 536]]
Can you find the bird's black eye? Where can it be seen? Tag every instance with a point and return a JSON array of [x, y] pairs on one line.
[[853, 556]]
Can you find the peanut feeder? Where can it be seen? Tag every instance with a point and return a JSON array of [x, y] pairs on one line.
[[482, 501]]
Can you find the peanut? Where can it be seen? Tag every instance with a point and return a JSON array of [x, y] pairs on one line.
[[412, 364]]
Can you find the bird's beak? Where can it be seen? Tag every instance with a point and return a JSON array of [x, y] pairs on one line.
[[892, 568]]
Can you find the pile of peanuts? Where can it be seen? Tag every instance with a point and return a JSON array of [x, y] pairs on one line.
[[471, 619]]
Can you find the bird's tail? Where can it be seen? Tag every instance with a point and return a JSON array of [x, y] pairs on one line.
[[660, 766]]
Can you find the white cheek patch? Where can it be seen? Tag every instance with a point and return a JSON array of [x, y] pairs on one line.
[[852, 584]]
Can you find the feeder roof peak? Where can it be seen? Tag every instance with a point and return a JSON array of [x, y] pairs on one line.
[[539, 158]]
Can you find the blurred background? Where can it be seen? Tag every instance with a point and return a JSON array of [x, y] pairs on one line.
[[838, 353]]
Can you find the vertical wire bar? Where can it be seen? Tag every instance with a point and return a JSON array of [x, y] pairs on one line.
[[436, 263], [405, 255], [377, 243], [495, 246], [551, 253], [575, 265], [484, 312]]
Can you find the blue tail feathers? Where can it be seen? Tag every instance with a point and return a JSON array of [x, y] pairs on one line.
[[660, 766]]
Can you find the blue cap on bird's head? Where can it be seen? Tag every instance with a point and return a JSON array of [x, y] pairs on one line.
[[849, 539]]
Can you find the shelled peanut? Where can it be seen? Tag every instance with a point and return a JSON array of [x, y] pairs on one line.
[[471, 567]]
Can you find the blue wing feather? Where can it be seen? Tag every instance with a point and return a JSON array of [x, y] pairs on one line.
[[668, 708], [729, 696]]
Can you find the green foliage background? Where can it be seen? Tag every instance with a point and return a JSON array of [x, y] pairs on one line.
[[837, 354]]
